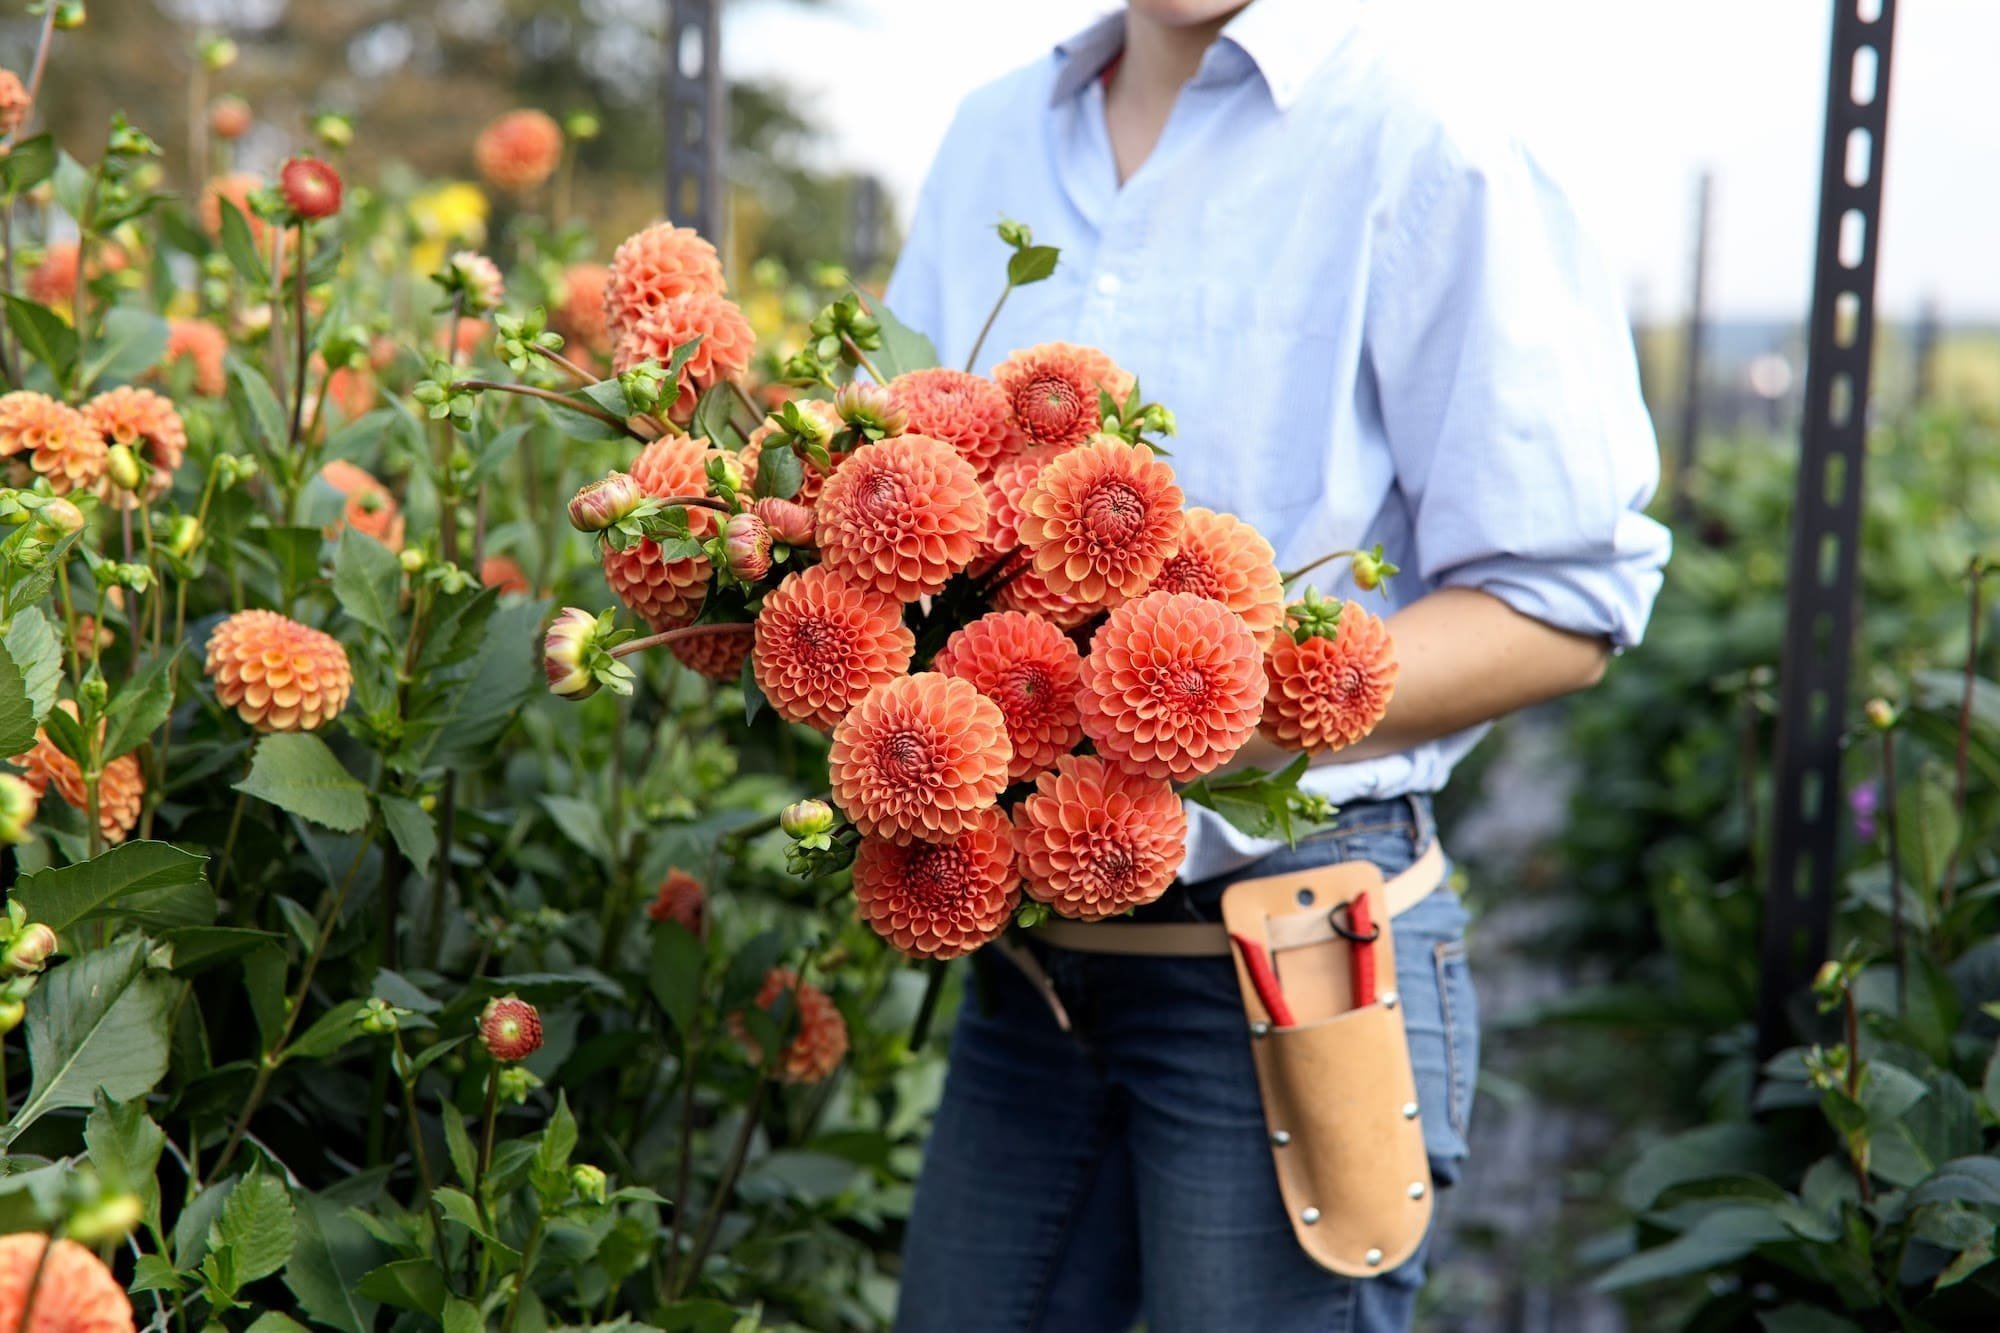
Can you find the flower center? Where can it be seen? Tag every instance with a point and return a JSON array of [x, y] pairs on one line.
[[1189, 573], [1112, 866], [906, 757], [1114, 512], [936, 875], [880, 497], [1025, 688], [1048, 406]]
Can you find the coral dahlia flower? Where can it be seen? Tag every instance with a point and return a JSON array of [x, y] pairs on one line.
[[236, 187], [901, 516], [1052, 391], [821, 1041], [579, 316], [1102, 520], [146, 423], [680, 899], [503, 573], [53, 281], [919, 757], [727, 343], [716, 656], [74, 1291], [1005, 489], [14, 103], [967, 412], [1033, 671], [655, 266], [120, 791], [1025, 590], [519, 150], [58, 441], [1226, 560], [1327, 693], [823, 642], [370, 510], [205, 345], [1096, 840], [510, 1028], [940, 899], [1173, 685], [277, 674], [666, 594]]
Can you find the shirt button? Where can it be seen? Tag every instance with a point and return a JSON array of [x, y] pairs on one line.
[[1108, 284]]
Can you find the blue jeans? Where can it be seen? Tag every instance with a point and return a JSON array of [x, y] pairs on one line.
[[1078, 1182]]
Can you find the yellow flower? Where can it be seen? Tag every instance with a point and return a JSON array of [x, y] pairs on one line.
[[446, 217]]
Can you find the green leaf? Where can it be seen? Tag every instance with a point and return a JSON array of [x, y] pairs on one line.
[[329, 1255], [1699, 1154], [256, 1226], [295, 771], [508, 674], [780, 472], [195, 949], [714, 417], [257, 406], [558, 1141], [754, 701], [1720, 1238], [1970, 1180], [124, 1146], [72, 184], [139, 708], [1927, 828], [31, 162], [273, 1322], [1804, 1319], [407, 1284], [17, 709], [903, 348], [462, 1316], [457, 1206], [367, 580], [295, 551], [31, 642], [66, 733], [458, 1144], [99, 1021], [333, 1030], [582, 822], [264, 983], [241, 249], [43, 335], [413, 830], [674, 975], [578, 424], [131, 343], [1031, 264]]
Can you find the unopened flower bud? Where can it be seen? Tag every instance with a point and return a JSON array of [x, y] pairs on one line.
[[1881, 714], [121, 465], [310, 187], [11, 1014], [870, 407], [1371, 569], [603, 503], [789, 521], [806, 819], [333, 129], [412, 559], [746, 540], [183, 535], [726, 469], [1016, 234], [95, 691], [517, 1082], [588, 1181], [476, 276], [58, 518], [380, 1017], [218, 53], [107, 1220], [510, 1029], [70, 15], [582, 126], [576, 660], [30, 951], [18, 804]]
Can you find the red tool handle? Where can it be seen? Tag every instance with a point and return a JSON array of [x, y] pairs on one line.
[[1361, 921], [1265, 980]]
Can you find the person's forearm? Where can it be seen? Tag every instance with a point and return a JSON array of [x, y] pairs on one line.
[[1465, 657]]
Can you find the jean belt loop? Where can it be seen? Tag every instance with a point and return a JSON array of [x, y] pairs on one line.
[[1423, 824]]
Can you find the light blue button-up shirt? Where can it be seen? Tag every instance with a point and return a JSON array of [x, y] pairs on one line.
[[1374, 317]]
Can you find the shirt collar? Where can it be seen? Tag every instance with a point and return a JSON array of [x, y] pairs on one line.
[[1285, 40]]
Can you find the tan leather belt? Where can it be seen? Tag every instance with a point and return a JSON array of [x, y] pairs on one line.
[[1202, 939]]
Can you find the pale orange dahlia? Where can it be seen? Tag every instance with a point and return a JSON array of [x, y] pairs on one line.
[[1173, 685], [919, 757], [236, 187], [1226, 560], [352, 389], [967, 412], [519, 150], [1326, 694], [680, 899], [901, 516], [146, 423], [716, 656], [371, 510], [14, 103], [940, 899], [823, 642], [1102, 520], [277, 674], [821, 1043], [74, 1291], [1052, 391], [1025, 590], [59, 441], [1096, 840], [727, 343], [666, 594], [579, 316], [1033, 671], [655, 266], [1004, 491], [53, 281], [503, 573], [206, 346], [121, 790]]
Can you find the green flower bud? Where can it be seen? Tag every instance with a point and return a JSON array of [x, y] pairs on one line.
[[58, 518], [121, 465], [29, 953], [516, 1082], [411, 558], [588, 1181], [218, 53], [333, 129], [109, 1219], [582, 126], [183, 535], [18, 804], [11, 1014], [1881, 714], [806, 819]]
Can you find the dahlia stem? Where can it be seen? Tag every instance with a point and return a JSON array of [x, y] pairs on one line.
[[578, 373], [1895, 865], [7, 358], [972, 357], [672, 635], [684, 1133], [417, 1153], [299, 321], [757, 414], [725, 1186], [549, 395], [861, 358], [447, 495], [1306, 569], [697, 502], [42, 45], [529, 1253], [920, 1031], [1975, 574]]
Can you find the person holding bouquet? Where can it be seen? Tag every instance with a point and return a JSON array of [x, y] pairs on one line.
[[1382, 333]]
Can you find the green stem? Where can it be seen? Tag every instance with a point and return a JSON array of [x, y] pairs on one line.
[[229, 842], [972, 357], [861, 357], [1976, 576], [578, 373], [549, 395], [673, 635], [528, 1252], [1306, 569], [725, 1187], [299, 319]]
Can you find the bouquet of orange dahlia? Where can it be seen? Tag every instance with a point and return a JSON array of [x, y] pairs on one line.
[[988, 591]]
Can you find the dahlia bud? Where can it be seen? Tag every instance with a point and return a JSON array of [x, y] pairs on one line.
[[725, 469], [516, 1083], [95, 690], [806, 819], [18, 804], [746, 541], [380, 1018], [333, 129], [412, 559], [644, 385], [108, 1219], [310, 188], [1372, 569], [1881, 714], [29, 953], [790, 522], [582, 126], [477, 277], [183, 535], [58, 518], [576, 658], [70, 15], [604, 503], [870, 409], [510, 1029], [229, 117], [218, 53], [588, 1181], [11, 1014], [121, 465], [1315, 616]]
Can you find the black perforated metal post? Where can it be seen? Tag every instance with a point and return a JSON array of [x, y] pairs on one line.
[[697, 125], [864, 241], [1826, 518]]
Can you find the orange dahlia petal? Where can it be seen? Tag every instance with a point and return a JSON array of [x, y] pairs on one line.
[[277, 674], [206, 347], [1004, 491], [1052, 391], [1326, 694], [371, 510], [146, 423], [666, 594], [121, 789], [653, 267], [823, 642], [727, 343], [1096, 840], [579, 316], [919, 757], [965, 411], [1033, 671], [1173, 686], [716, 656], [1102, 520], [901, 516], [519, 150], [681, 899], [821, 1041], [58, 441], [73, 1290], [1226, 560], [940, 899]]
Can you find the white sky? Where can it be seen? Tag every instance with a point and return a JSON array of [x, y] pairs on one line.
[[1625, 100]]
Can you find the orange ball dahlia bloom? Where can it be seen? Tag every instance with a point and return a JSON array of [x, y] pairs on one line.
[[277, 674], [716, 656], [146, 423], [1102, 520], [1326, 694], [666, 594], [1005, 490], [59, 441], [940, 899], [206, 346], [53, 281], [519, 150], [655, 266], [121, 790], [1226, 560], [371, 510], [74, 1291], [919, 757], [823, 642], [579, 316], [967, 412], [902, 516], [1173, 686], [1025, 590], [1096, 840], [727, 343], [14, 103], [1052, 391], [681, 899], [352, 390], [821, 1041], [1033, 671]]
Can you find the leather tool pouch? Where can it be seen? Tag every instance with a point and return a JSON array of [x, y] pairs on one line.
[[1340, 1096]]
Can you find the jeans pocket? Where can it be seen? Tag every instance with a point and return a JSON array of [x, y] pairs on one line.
[[1460, 1007]]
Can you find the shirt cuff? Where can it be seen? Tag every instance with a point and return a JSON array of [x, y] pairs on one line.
[[1607, 601]]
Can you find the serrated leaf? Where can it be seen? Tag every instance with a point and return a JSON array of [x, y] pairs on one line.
[[240, 248], [714, 417], [331, 1031], [367, 581], [139, 708], [256, 1226], [1031, 264], [558, 1140], [296, 772], [124, 1146], [329, 1254], [17, 710], [31, 642], [197, 948], [413, 830], [903, 348], [43, 335], [780, 472], [407, 1284], [99, 1021]]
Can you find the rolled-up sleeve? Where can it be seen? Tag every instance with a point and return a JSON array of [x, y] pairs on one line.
[[1504, 369]]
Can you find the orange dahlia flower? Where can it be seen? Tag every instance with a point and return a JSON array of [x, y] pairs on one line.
[[716, 656], [919, 757], [1226, 560], [1326, 694], [666, 594], [121, 790], [236, 187], [940, 899], [1033, 671], [74, 1291], [579, 316], [53, 281], [352, 389], [1025, 590], [146, 423], [14, 103], [370, 510], [681, 899], [1096, 840], [504, 573], [1102, 520], [727, 343], [277, 674], [901, 516], [519, 150], [1005, 490], [59, 441], [655, 266], [206, 346], [823, 642], [965, 411], [1173, 685], [821, 1043], [1052, 391], [229, 117]]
